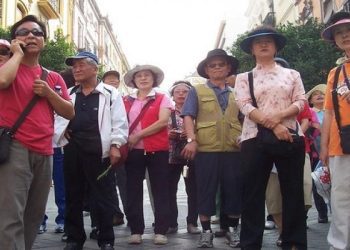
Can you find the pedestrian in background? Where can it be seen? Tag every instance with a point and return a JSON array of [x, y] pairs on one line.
[[178, 164], [212, 128], [270, 97], [148, 112], [5, 51], [336, 117], [26, 176]]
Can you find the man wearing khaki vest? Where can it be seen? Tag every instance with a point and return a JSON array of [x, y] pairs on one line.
[[212, 127]]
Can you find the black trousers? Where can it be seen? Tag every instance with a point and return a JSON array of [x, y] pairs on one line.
[[81, 170], [320, 204], [191, 191], [158, 169], [256, 165]]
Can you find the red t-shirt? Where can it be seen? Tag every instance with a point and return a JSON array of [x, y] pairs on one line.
[[35, 133]]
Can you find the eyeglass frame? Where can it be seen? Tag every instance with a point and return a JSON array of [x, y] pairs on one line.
[[35, 32]]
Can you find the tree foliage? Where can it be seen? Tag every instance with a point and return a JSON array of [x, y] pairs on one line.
[[56, 51], [305, 51]]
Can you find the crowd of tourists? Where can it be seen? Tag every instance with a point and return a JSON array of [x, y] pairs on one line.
[[244, 143]]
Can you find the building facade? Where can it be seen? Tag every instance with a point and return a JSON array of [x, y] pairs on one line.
[[274, 12], [81, 22]]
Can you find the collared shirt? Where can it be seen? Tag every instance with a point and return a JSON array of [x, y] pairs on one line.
[[136, 108], [274, 89], [190, 107], [86, 113]]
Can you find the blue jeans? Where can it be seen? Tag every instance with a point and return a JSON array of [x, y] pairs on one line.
[[58, 179]]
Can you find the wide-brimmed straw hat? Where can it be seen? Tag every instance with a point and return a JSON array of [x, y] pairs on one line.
[[129, 76], [280, 40], [319, 87], [217, 53]]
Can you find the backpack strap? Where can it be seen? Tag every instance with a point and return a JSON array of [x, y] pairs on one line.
[[335, 95]]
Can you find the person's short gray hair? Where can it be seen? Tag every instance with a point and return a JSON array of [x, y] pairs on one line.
[[91, 61]]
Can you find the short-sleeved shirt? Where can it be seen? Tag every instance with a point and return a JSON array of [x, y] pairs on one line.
[[190, 107], [275, 90], [334, 147], [36, 131], [136, 108]]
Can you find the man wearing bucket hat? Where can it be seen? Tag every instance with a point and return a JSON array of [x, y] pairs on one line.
[[94, 136], [149, 113], [212, 128], [334, 152], [270, 97]]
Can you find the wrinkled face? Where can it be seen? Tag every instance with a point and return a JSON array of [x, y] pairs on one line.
[[180, 93], [341, 34], [317, 98], [32, 35], [83, 70], [4, 54], [264, 47], [144, 80], [217, 68], [112, 80]]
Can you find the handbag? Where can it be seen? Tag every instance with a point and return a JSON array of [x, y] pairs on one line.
[[267, 139], [178, 144], [124, 149], [344, 131], [7, 134]]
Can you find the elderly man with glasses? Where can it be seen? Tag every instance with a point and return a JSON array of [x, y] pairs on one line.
[[212, 128]]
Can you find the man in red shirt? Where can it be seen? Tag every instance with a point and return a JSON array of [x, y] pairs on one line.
[[26, 176]]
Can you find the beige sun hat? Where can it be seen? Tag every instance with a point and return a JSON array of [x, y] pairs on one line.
[[129, 76], [319, 87]]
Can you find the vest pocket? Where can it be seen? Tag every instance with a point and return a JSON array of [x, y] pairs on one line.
[[208, 104], [206, 133]]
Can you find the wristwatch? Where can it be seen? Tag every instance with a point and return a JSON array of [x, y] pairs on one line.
[[190, 140], [115, 145]]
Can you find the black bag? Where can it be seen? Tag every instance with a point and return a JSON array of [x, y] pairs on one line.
[[178, 144], [344, 131], [5, 143], [267, 139]]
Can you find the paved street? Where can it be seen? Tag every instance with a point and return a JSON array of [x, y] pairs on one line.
[[317, 233]]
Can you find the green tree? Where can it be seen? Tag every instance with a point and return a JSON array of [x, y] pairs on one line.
[[5, 33], [305, 51], [56, 51]]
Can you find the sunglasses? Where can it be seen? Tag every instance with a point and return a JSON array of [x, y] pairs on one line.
[[4, 52], [214, 65], [25, 32]]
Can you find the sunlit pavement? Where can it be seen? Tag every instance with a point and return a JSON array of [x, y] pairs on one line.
[[317, 233]]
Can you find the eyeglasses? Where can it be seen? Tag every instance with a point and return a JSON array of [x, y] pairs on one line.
[[25, 32], [213, 65], [4, 52]]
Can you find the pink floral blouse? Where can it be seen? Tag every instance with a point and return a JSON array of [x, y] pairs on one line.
[[274, 89]]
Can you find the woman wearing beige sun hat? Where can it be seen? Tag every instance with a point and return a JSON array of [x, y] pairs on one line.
[[148, 142]]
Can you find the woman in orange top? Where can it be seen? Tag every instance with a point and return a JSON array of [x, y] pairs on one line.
[[332, 155]]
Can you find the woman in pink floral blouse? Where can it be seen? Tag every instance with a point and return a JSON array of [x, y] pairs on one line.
[[279, 96]]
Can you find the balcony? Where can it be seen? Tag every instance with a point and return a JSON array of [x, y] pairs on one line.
[[49, 8]]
